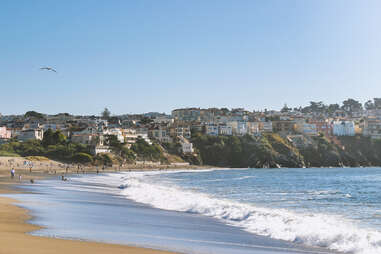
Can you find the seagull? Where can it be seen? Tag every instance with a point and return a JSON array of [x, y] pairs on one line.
[[48, 69]]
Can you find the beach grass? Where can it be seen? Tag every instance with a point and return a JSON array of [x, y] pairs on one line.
[[8, 154]]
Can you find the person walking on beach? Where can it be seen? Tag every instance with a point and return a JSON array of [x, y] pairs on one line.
[[20, 178], [63, 178], [12, 173]]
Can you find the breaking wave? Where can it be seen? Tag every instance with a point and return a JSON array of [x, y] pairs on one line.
[[319, 230]]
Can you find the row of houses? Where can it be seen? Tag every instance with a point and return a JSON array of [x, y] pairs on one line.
[[95, 134], [285, 127], [241, 122], [179, 126]]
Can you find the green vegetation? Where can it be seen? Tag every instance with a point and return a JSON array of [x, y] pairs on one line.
[[103, 159], [362, 151], [175, 154], [53, 138], [272, 150], [57, 151], [37, 158], [83, 158], [230, 151], [149, 152], [34, 114], [55, 146], [106, 114], [4, 153], [125, 154], [322, 153], [268, 150]]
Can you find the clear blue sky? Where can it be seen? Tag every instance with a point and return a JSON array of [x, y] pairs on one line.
[[140, 56]]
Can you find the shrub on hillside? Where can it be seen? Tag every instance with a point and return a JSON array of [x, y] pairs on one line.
[[82, 158]]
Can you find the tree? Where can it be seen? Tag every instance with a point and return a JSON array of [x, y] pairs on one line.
[[285, 109], [333, 107], [106, 114], [377, 102], [317, 106], [369, 105], [127, 154], [113, 120], [58, 137], [113, 142], [34, 114], [53, 138], [351, 105], [103, 159], [146, 120], [82, 158], [48, 138], [147, 151], [314, 107], [225, 111]]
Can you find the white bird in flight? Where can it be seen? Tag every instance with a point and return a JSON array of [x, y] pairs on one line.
[[48, 69]]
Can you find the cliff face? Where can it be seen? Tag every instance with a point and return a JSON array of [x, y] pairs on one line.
[[272, 150]]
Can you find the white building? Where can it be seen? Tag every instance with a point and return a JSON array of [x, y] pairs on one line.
[[145, 137], [372, 128], [163, 119], [374, 113], [183, 131], [242, 128], [266, 126], [100, 149], [211, 129], [307, 129], [87, 136], [222, 119], [161, 134], [116, 132], [253, 128], [186, 146], [238, 127], [343, 128], [225, 130]]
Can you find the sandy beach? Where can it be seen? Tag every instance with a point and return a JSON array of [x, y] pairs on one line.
[[14, 227]]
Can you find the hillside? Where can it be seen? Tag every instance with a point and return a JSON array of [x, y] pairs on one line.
[[272, 150]]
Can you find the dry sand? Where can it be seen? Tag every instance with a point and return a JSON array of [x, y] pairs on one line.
[[14, 228]]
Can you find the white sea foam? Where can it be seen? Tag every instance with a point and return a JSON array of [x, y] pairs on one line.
[[321, 230]]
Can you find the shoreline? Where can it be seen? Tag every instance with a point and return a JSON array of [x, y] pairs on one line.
[[14, 228], [15, 222], [144, 222]]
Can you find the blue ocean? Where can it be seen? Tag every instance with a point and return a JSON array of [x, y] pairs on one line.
[[314, 210]]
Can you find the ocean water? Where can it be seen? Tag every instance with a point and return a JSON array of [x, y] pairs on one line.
[[219, 211]]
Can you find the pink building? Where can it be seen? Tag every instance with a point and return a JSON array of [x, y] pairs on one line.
[[4, 133], [323, 127]]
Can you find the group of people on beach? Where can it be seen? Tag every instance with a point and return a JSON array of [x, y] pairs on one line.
[[13, 174]]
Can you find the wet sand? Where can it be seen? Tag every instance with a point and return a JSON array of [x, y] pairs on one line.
[[14, 227]]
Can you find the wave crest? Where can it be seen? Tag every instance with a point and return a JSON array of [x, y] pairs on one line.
[[320, 230]]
